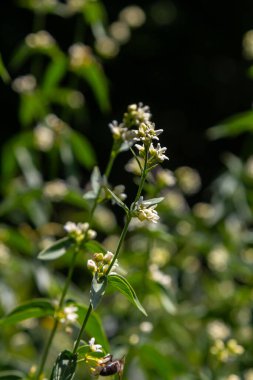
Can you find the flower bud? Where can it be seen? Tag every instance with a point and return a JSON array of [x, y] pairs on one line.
[[105, 268], [108, 257], [91, 265], [98, 257]]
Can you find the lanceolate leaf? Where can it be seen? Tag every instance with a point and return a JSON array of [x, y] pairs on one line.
[[65, 366], [94, 246], [82, 149], [34, 309], [97, 291], [117, 200], [119, 282], [58, 249], [153, 201]]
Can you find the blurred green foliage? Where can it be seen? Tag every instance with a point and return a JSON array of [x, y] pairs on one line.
[[192, 273]]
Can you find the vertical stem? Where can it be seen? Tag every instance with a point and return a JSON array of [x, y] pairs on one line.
[[68, 279], [82, 328]]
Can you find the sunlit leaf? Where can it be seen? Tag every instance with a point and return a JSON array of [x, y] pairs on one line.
[[56, 250], [65, 366], [120, 283], [97, 291], [33, 309], [233, 126]]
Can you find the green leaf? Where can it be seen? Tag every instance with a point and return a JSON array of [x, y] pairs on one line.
[[119, 282], [94, 246], [82, 149], [55, 72], [232, 126], [33, 309], [94, 12], [11, 375], [94, 326], [58, 249], [97, 291], [3, 72], [65, 366], [95, 77], [117, 200], [153, 201], [96, 179]]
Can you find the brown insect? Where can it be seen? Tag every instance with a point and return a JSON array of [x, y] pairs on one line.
[[108, 366]]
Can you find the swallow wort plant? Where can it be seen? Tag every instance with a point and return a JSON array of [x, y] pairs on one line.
[[136, 133]]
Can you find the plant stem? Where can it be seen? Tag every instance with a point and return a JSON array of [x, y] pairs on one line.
[[121, 240], [56, 321], [68, 279], [82, 328]]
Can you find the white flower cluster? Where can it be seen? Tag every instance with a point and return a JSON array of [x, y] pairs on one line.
[[100, 263], [80, 55], [68, 314], [145, 210], [225, 351], [40, 40], [79, 231], [137, 127], [24, 84]]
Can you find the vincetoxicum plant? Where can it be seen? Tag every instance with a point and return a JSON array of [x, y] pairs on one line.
[[137, 133]]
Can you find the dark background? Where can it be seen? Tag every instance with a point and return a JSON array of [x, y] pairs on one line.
[[188, 67]]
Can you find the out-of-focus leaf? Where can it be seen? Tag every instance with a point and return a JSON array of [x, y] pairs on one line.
[[82, 149], [55, 72], [65, 366], [33, 309], [3, 71], [153, 201], [31, 174], [97, 291], [94, 246], [157, 363], [233, 126], [95, 77], [32, 108], [96, 179], [58, 249], [94, 326], [8, 159], [165, 297], [11, 375], [21, 55], [94, 12], [120, 283], [15, 239]]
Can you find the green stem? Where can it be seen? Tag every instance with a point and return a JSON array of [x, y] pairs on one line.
[[108, 169], [121, 240], [70, 272], [82, 328], [56, 321]]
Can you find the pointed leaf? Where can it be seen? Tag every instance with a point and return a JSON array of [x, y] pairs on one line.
[[33, 309], [153, 201], [3, 72], [233, 126], [94, 246], [58, 249], [96, 179], [117, 200], [55, 72], [119, 282], [82, 149], [97, 291], [65, 366]]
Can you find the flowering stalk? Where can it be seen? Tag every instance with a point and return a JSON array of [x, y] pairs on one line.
[[121, 240], [71, 269]]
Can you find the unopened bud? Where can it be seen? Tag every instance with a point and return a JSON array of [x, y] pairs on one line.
[[98, 257], [91, 265], [108, 257], [91, 234], [105, 268]]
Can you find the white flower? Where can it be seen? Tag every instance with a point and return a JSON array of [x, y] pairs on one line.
[[147, 132], [24, 83], [40, 40], [144, 211], [43, 137], [80, 55], [157, 154], [68, 314], [136, 114], [79, 231], [95, 347]]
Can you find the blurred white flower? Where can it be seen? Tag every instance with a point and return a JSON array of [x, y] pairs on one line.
[[24, 84], [41, 39], [133, 15], [95, 347]]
